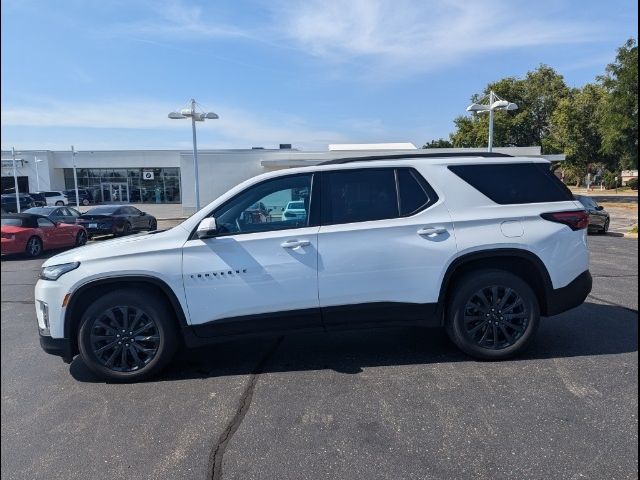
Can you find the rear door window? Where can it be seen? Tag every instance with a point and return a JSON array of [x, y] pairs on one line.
[[359, 195], [514, 183]]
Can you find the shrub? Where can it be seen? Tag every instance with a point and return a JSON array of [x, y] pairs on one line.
[[633, 184]]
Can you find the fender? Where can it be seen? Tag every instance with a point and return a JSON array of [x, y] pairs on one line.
[[544, 289], [76, 297]]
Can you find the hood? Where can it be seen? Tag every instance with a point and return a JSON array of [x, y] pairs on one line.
[[121, 247]]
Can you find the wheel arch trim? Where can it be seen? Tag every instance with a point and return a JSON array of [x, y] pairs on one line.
[[502, 253], [76, 296]]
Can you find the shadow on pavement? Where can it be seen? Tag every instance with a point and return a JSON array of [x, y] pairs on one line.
[[592, 329]]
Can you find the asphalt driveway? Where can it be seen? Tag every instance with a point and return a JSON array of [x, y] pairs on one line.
[[400, 403]]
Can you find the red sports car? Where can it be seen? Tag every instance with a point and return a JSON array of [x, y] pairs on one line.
[[32, 234]]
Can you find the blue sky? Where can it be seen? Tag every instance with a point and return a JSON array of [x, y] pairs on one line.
[[104, 74]]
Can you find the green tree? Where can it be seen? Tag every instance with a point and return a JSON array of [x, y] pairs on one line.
[[440, 143], [619, 119], [537, 96], [575, 128]]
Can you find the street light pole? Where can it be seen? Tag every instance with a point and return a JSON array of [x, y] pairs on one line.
[[195, 153], [491, 100], [75, 176], [195, 117], [495, 103], [15, 178], [37, 174]]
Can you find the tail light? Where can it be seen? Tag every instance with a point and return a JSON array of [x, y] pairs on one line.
[[575, 220]]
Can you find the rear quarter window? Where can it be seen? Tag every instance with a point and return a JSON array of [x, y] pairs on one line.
[[514, 183]]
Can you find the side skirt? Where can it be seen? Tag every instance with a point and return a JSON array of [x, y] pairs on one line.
[[344, 317]]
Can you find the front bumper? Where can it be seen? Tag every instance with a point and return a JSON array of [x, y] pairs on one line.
[[562, 299], [60, 347]]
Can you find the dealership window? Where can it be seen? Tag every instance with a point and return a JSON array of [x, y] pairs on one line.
[[134, 185]]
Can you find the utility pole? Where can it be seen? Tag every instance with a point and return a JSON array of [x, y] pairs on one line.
[[15, 178], [195, 153], [75, 176]]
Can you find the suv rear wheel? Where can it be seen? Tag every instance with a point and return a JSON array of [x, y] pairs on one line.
[[492, 315], [125, 336]]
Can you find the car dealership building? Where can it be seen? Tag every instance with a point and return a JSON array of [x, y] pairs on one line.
[[167, 176]]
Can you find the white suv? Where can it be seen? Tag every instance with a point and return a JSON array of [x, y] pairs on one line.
[[482, 246], [55, 198]]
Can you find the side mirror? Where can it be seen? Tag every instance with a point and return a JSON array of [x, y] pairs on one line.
[[599, 207], [207, 228], [142, 214]]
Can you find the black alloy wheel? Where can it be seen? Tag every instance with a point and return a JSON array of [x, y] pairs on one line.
[[495, 317], [127, 335], [491, 314], [153, 225], [124, 338]]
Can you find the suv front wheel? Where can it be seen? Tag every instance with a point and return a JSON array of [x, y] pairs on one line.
[[125, 336], [492, 314]]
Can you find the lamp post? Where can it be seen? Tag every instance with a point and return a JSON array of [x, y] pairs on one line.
[[15, 178], [195, 116], [37, 161], [75, 175], [495, 103]]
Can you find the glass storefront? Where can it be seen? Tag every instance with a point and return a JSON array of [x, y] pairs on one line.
[[128, 185]]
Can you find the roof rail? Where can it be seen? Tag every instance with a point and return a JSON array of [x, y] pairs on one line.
[[414, 154]]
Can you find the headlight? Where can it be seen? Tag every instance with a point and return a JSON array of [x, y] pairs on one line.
[[53, 272]]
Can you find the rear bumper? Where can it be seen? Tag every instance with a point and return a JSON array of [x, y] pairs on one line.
[[562, 299], [60, 347], [11, 246]]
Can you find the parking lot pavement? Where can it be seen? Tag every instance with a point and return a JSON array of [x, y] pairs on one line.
[[400, 403]]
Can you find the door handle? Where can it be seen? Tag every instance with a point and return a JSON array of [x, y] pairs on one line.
[[432, 231], [295, 243]]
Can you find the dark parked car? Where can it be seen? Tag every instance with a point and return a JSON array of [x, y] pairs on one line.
[[85, 196], [57, 214], [116, 220], [599, 218], [9, 202], [39, 199]]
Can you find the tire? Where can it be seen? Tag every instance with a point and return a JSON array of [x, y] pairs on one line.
[[484, 333], [102, 340], [34, 247], [153, 225], [81, 238], [59, 203], [605, 228], [126, 229], [85, 202]]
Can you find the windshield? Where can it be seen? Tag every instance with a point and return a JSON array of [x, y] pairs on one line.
[[587, 202]]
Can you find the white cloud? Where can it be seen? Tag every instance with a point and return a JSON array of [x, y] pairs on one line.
[[392, 38], [176, 19], [236, 128], [420, 35]]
